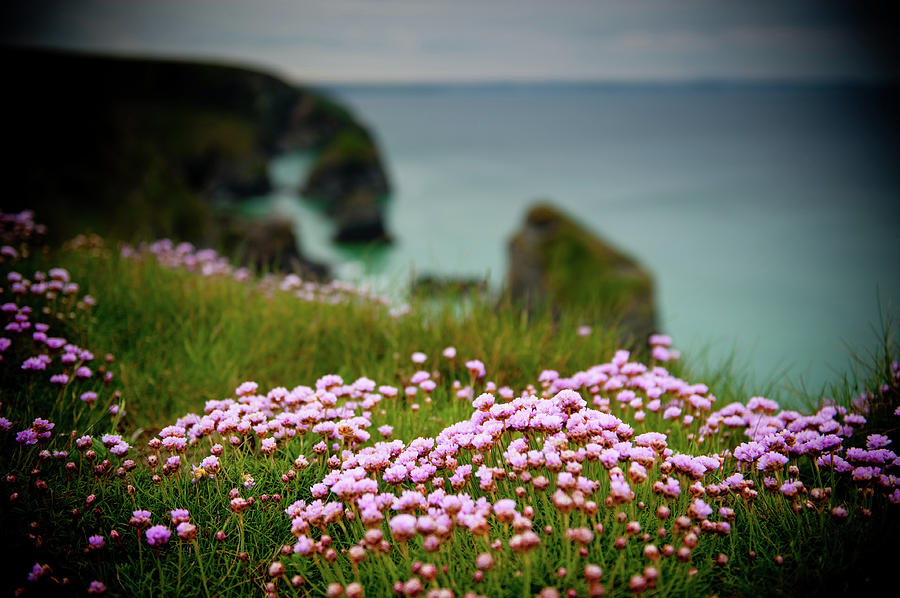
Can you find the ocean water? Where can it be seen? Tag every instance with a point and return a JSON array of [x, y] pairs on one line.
[[768, 216]]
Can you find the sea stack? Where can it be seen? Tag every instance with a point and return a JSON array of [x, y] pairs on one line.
[[555, 261]]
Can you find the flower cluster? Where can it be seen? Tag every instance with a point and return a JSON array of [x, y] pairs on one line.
[[567, 439]]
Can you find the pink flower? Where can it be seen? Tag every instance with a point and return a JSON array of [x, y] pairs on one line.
[[59, 274], [749, 451], [96, 587], [762, 405], [304, 546], [158, 535], [139, 518], [505, 509], [548, 376], [864, 474], [771, 461], [38, 571], [111, 439], [662, 354], [877, 441], [27, 437], [699, 509], [476, 368], [569, 400], [186, 531], [39, 362], [267, 446], [791, 488], [484, 402], [672, 412], [364, 385], [56, 342], [660, 340], [419, 377], [172, 464], [403, 526], [246, 388]]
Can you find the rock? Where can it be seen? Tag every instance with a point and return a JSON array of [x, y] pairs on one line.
[[268, 244], [428, 286], [553, 260], [358, 217]]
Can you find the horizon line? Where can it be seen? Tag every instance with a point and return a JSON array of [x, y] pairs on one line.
[[477, 81], [613, 82]]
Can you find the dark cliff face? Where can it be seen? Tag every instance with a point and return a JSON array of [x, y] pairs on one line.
[[137, 148], [553, 260]]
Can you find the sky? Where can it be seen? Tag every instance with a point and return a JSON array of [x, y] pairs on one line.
[[339, 41]]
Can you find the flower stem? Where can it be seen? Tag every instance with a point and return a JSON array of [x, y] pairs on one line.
[[200, 566]]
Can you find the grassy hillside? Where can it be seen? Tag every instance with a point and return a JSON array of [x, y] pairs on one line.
[[196, 338], [185, 331]]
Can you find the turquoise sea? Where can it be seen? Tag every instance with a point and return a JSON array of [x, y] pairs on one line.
[[768, 215]]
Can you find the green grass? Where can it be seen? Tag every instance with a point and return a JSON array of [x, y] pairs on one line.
[[180, 339]]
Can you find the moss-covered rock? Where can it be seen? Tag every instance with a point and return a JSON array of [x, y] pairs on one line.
[[349, 177], [554, 260]]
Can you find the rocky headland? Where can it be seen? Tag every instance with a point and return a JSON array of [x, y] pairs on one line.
[[138, 149]]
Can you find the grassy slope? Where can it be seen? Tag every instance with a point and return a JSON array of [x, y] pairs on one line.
[[181, 339]]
